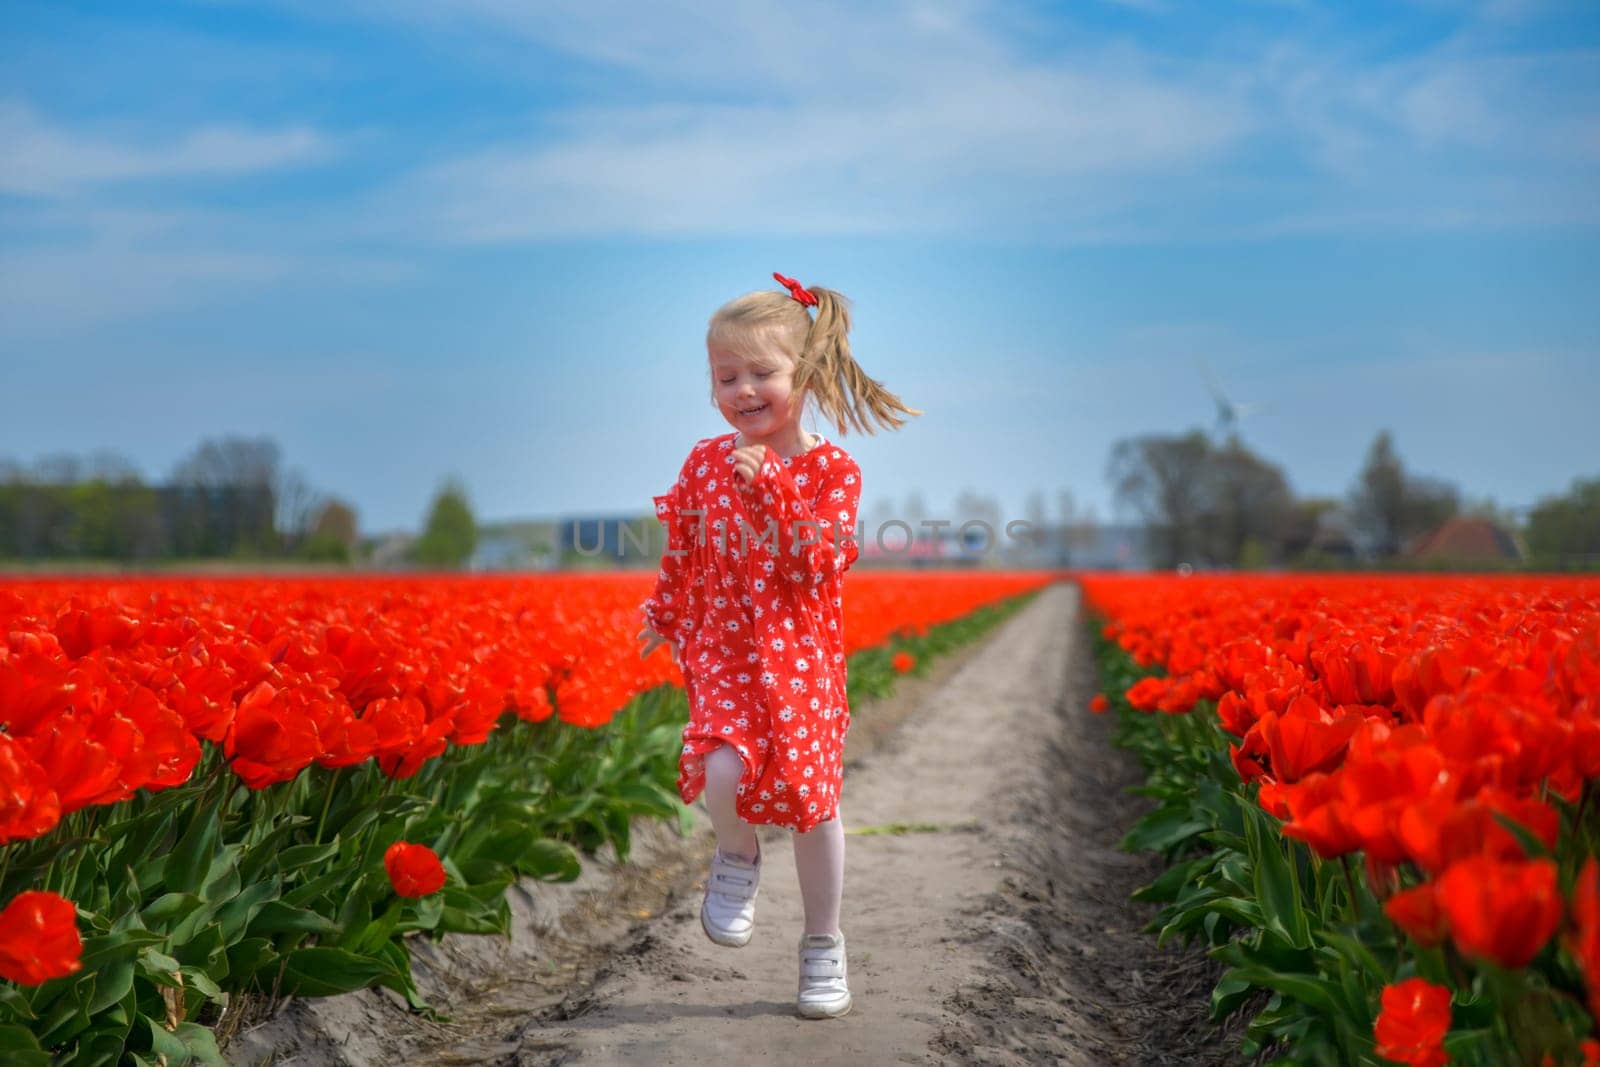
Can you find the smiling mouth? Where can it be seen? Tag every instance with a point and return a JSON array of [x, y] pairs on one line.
[[752, 411]]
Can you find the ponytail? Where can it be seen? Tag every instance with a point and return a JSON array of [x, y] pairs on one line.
[[844, 392], [820, 349]]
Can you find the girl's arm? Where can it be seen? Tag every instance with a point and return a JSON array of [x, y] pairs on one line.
[[812, 543]]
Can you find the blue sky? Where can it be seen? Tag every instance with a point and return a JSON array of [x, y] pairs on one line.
[[483, 237]]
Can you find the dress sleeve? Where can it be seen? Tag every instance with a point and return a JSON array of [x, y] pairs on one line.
[[813, 531], [669, 609]]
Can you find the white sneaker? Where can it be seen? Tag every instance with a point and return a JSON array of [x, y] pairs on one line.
[[728, 912], [824, 993]]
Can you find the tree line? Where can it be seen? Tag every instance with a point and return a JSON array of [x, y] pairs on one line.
[[1221, 504], [228, 498], [1201, 501]]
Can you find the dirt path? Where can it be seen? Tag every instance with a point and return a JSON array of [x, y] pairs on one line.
[[676, 998], [1004, 937]]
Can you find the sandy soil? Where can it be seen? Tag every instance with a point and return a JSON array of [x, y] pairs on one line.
[[1004, 935]]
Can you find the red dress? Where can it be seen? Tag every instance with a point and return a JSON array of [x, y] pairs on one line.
[[751, 588]]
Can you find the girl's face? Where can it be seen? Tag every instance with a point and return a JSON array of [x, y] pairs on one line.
[[755, 394]]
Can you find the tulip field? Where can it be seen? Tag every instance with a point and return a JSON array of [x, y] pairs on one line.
[[1375, 796], [213, 790]]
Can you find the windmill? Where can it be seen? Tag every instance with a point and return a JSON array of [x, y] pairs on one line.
[[1229, 414]]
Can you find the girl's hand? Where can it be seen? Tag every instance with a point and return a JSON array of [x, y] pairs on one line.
[[747, 462], [653, 641]]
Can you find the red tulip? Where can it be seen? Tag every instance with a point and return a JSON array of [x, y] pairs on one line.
[[414, 870], [82, 753], [1305, 738], [903, 662], [101, 626], [33, 687], [29, 805], [272, 738], [1146, 693], [1357, 674], [1411, 1026], [1320, 817], [1234, 711], [1502, 911], [1584, 940], [1416, 911], [39, 938], [1439, 831]]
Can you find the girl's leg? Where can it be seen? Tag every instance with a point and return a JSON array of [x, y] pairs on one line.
[[819, 861], [735, 837]]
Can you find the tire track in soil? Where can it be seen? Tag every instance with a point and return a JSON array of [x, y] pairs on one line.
[[1076, 980]]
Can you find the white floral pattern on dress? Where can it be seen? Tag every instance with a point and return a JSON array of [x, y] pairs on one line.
[[791, 641]]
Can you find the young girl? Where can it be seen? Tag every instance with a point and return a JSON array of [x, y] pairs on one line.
[[760, 532]]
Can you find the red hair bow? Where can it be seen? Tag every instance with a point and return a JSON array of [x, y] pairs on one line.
[[796, 290]]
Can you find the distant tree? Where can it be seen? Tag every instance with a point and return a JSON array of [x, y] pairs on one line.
[[113, 468], [298, 506], [232, 508], [113, 513], [1377, 503], [66, 506], [1303, 523], [451, 533], [230, 462], [336, 519], [1162, 479], [1389, 506], [1247, 502], [1488, 508], [58, 468], [333, 535], [1429, 502], [1567, 527], [1202, 502]]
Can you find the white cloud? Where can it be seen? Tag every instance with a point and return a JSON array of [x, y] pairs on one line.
[[41, 158], [843, 120], [886, 121]]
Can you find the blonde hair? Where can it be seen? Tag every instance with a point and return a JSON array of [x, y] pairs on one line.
[[820, 348]]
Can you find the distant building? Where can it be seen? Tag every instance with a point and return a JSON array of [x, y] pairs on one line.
[[1110, 547], [1332, 537], [1467, 539], [1082, 545], [515, 546], [614, 540], [893, 550], [390, 551]]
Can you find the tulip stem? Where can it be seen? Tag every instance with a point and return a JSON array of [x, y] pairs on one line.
[[70, 889], [1350, 880], [327, 802]]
